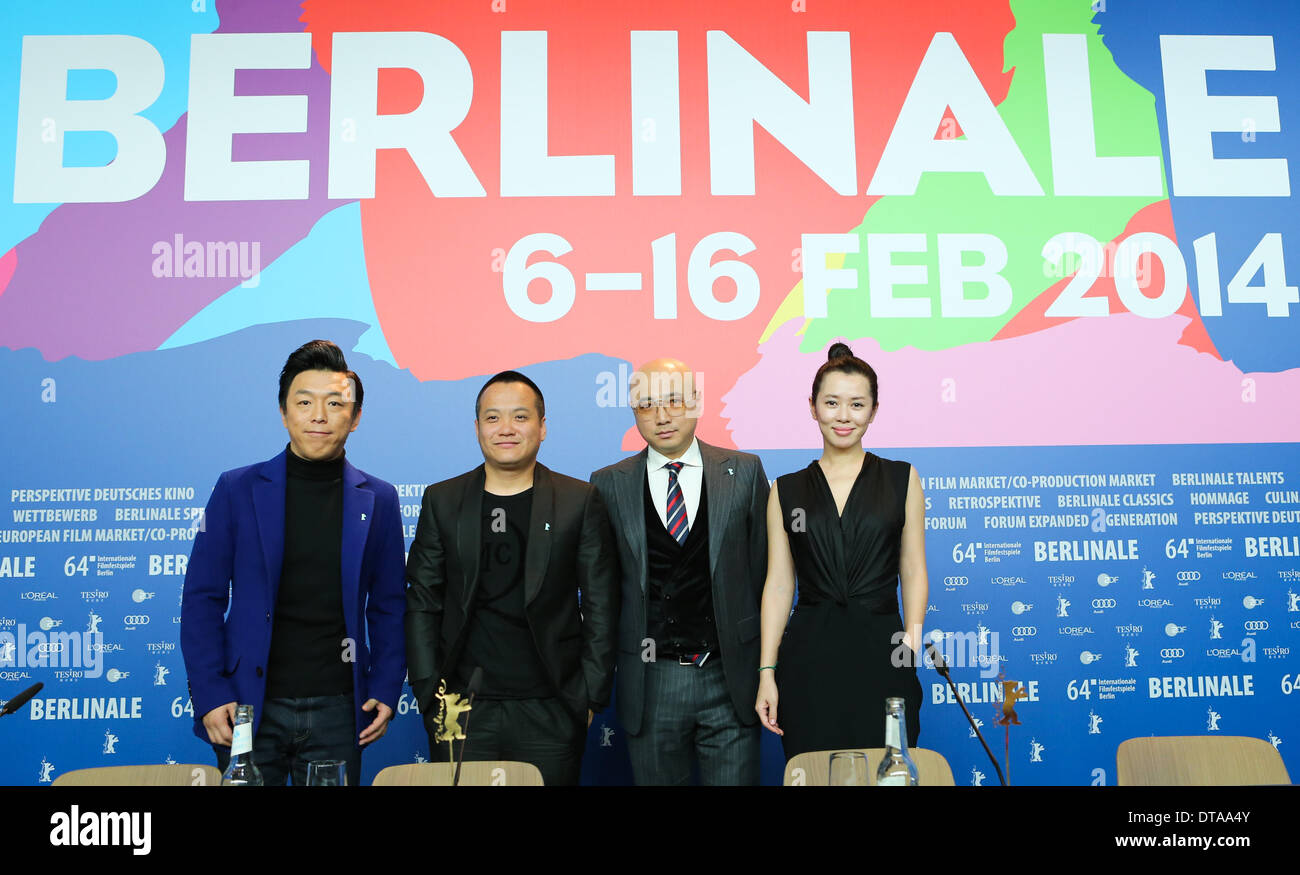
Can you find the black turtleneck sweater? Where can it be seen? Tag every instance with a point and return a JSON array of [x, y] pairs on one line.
[[307, 647]]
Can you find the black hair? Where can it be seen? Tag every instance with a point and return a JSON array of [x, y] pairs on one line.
[[512, 377], [317, 355], [841, 358]]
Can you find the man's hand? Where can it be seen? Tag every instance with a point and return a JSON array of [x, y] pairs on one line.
[[220, 723], [379, 726]]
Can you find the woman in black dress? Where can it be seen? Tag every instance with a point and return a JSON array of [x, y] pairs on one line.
[[848, 527]]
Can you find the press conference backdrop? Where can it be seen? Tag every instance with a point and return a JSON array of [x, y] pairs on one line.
[[1064, 235]]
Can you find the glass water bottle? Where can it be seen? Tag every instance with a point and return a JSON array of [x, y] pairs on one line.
[[897, 768], [242, 771]]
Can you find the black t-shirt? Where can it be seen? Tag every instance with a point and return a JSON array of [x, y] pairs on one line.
[[498, 638]]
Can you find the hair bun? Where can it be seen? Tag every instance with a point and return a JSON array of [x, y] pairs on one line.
[[838, 350]]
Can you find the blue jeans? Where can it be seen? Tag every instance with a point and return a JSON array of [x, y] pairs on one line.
[[295, 732]]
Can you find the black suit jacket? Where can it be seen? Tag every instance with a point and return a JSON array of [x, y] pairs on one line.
[[570, 551], [737, 488]]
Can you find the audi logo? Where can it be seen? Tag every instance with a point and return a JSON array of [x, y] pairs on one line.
[[1024, 631], [1172, 653], [1103, 603], [50, 647], [956, 581], [1188, 575], [1256, 625], [136, 620]]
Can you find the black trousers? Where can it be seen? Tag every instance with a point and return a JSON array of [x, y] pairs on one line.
[[543, 732]]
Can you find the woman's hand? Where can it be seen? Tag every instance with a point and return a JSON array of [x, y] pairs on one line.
[[766, 704]]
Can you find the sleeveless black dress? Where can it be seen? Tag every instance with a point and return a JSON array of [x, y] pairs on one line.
[[835, 669]]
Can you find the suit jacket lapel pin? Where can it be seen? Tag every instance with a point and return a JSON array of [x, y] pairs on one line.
[[363, 517], [731, 471], [547, 526]]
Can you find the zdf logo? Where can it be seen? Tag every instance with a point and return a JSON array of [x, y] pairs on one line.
[[1187, 576], [1101, 604]]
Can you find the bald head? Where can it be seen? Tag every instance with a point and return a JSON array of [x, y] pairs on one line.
[[664, 394]]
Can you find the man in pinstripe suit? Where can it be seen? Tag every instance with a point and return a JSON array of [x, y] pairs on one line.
[[690, 521]]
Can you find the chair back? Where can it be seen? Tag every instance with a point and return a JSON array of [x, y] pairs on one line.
[[166, 775], [813, 768], [490, 773], [1196, 760]]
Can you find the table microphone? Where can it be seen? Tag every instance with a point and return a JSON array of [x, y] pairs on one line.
[[475, 681], [21, 699], [942, 668]]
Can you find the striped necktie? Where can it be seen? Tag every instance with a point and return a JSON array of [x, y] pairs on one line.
[[678, 526]]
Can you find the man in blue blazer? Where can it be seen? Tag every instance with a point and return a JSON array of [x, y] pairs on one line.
[[305, 554]]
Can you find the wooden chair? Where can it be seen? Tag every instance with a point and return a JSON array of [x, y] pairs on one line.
[[1193, 760], [491, 773], [813, 769], [167, 775]]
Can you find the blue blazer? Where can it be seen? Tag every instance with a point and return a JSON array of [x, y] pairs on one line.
[[236, 564]]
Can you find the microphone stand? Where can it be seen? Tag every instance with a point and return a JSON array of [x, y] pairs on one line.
[[476, 679], [942, 668]]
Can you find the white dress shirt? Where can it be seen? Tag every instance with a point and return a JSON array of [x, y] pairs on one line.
[[690, 478]]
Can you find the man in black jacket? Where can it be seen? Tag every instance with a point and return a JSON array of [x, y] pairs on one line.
[[513, 571]]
